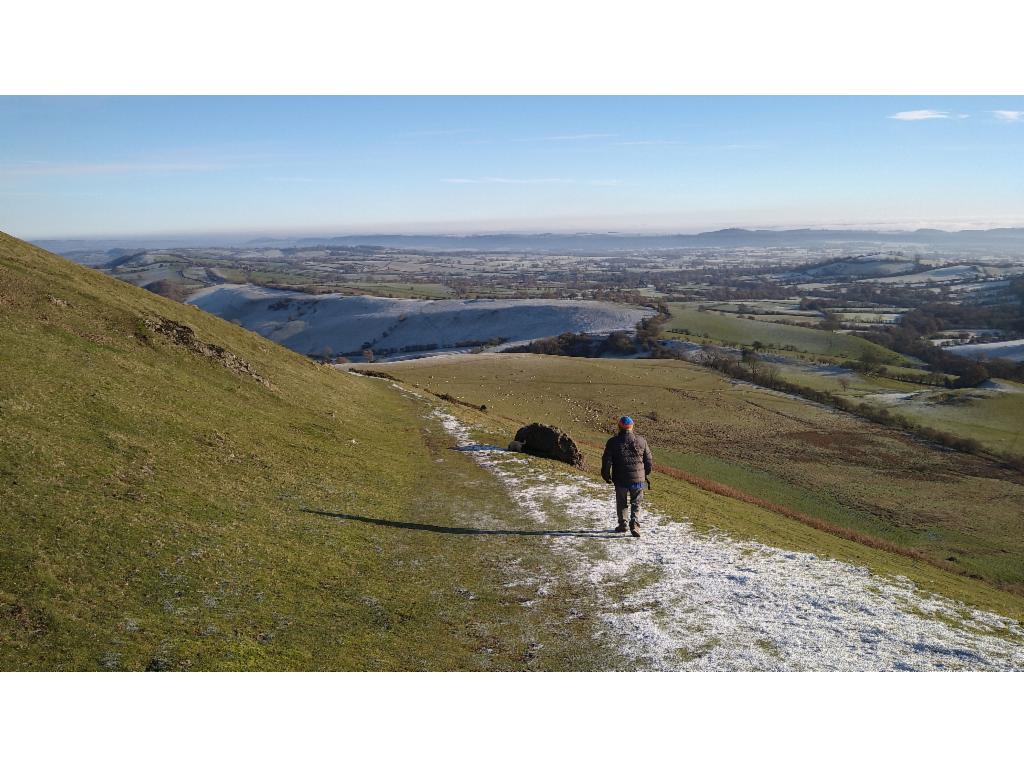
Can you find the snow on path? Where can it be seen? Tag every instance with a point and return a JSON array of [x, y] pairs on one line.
[[720, 604]]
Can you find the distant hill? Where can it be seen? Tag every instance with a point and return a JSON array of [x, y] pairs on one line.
[[586, 242], [614, 241], [333, 324]]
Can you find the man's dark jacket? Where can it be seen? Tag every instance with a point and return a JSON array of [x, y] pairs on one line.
[[626, 460]]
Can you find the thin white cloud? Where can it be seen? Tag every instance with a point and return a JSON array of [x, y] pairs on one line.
[[186, 160], [570, 137], [687, 145], [506, 180], [1008, 115], [304, 179], [438, 132], [927, 114], [649, 142], [84, 169], [541, 180]]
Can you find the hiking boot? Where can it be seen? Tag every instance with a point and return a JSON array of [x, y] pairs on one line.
[[621, 527], [634, 528]]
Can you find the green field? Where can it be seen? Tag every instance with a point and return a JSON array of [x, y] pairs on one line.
[[400, 290], [994, 418], [856, 384], [737, 331], [834, 466]]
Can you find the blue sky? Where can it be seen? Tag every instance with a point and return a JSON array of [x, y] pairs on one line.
[[80, 166]]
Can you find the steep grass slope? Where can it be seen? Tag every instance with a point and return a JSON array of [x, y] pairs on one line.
[[173, 501]]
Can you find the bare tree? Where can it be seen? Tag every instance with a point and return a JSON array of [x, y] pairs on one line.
[[708, 355], [770, 376], [752, 359]]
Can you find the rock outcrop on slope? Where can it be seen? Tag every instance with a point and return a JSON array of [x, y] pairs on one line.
[[184, 336]]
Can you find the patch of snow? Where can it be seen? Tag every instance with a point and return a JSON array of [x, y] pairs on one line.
[[940, 274], [1000, 385], [722, 604], [894, 398], [1005, 350]]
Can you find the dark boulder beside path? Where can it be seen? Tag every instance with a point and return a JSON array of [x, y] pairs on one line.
[[548, 442]]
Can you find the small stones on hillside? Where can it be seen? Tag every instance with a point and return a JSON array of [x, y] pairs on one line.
[[184, 336], [531, 651], [548, 442], [111, 660]]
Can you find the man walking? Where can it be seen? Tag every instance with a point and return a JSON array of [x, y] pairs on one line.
[[627, 463]]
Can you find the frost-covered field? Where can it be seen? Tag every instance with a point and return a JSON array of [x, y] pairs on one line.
[[940, 274], [720, 604], [1006, 350], [336, 324], [861, 268]]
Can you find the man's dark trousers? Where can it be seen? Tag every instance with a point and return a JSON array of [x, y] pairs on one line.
[[627, 496]]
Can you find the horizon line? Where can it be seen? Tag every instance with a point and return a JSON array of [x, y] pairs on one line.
[[576, 231]]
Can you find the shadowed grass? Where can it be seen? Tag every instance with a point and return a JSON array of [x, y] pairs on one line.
[[462, 531]]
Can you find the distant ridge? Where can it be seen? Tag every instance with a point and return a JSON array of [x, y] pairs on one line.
[[586, 242]]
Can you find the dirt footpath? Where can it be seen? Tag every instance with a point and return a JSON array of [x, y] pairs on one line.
[[677, 599]]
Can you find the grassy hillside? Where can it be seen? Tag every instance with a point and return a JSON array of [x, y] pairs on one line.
[[959, 510], [162, 507], [179, 493]]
